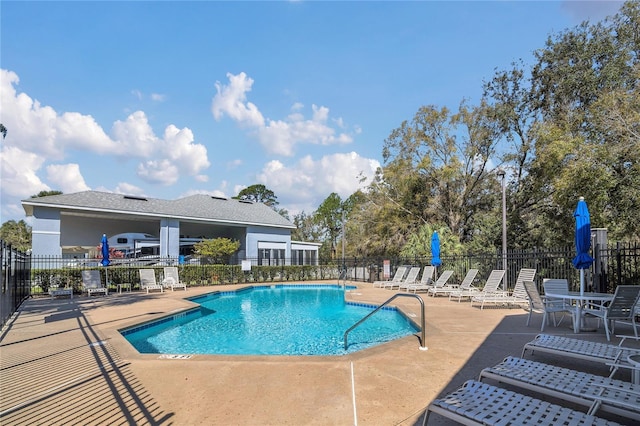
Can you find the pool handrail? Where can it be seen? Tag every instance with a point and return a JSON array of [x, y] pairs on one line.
[[422, 320]]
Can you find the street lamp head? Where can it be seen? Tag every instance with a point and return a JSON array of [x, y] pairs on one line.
[[501, 173]]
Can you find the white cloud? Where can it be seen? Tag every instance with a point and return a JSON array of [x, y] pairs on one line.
[[276, 136], [309, 182], [157, 97], [66, 177], [45, 135], [158, 172], [137, 93], [231, 100], [128, 189], [234, 164], [19, 178], [41, 130]]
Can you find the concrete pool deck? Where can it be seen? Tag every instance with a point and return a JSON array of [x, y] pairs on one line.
[[63, 361]]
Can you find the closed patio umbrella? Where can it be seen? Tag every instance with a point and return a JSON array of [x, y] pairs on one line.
[[105, 256], [582, 260], [435, 251]]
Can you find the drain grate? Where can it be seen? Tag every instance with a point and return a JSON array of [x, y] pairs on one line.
[[173, 356]]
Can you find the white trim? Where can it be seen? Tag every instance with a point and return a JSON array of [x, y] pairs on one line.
[[271, 245], [46, 232]]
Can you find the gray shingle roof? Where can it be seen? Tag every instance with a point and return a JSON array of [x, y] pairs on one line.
[[194, 207]]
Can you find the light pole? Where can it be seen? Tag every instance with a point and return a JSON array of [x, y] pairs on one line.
[[502, 175]]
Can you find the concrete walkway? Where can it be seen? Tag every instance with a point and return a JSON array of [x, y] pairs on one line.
[[63, 361]]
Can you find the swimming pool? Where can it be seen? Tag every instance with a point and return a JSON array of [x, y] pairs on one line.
[[270, 320]]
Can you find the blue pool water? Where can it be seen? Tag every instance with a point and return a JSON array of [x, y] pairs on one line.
[[270, 320]]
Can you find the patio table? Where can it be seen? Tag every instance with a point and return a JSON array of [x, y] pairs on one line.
[[580, 301]]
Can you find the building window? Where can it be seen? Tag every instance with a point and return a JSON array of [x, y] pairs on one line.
[[271, 256]]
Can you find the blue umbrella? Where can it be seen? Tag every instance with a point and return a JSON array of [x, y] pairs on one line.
[[105, 250], [582, 260], [435, 250]]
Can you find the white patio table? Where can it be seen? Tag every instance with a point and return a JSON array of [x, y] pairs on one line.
[[580, 301]]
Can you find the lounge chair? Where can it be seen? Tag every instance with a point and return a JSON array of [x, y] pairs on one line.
[[440, 282], [447, 288], [621, 308], [426, 278], [92, 282], [411, 278], [517, 297], [466, 290], [615, 356], [397, 277], [614, 396], [171, 278], [538, 304], [490, 289], [477, 403], [148, 280]]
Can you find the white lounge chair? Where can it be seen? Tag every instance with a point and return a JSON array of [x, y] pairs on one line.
[[614, 356], [397, 277], [467, 289], [538, 304], [621, 308], [148, 280], [440, 282], [447, 288], [411, 278], [614, 396], [490, 290], [477, 403], [92, 282], [517, 297], [171, 278], [426, 278]]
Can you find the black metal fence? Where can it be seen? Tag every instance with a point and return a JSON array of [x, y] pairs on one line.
[[614, 265], [15, 278]]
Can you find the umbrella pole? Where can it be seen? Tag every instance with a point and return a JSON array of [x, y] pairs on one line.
[[581, 282]]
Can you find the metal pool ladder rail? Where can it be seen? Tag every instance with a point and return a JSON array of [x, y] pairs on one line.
[[422, 320]]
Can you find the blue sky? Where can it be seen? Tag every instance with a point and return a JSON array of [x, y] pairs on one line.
[[168, 99]]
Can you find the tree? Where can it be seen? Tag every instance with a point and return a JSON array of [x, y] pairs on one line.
[[306, 228], [3, 130], [216, 248], [46, 194], [419, 242], [17, 234], [329, 217], [260, 194]]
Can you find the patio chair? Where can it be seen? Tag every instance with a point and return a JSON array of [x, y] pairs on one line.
[[556, 286], [92, 283], [397, 277], [440, 282], [466, 289], [490, 290], [615, 356], [411, 278], [447, 289], [621, 308], [477, 403], [538, 304], [171, 278], [148, 280], [425, 279], [617, 397], [517, 297]]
